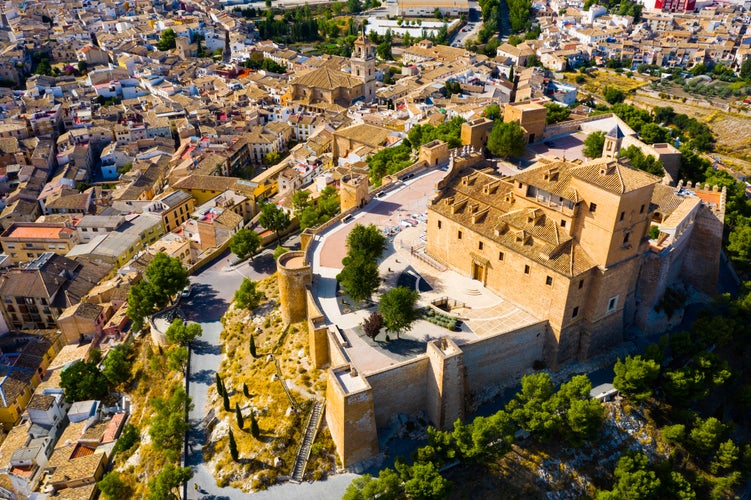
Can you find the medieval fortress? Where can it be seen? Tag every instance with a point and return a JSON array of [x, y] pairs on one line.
[[576, 252]]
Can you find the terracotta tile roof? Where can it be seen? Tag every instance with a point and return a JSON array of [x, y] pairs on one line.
[[364, 133], [481, 204], [207, 182], [78, 469], [40, 402], [327, 78]]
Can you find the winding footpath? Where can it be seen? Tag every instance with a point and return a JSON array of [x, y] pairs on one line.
[[213, 288]]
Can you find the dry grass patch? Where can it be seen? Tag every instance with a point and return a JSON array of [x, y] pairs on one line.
[[263, 459]]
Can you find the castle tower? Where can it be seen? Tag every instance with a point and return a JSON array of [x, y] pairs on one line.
[[353, 191], [363, 66], [293, 275], [612, 145]]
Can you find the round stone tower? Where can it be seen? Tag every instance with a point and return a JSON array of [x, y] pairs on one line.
[[293, 275], [353, 191]]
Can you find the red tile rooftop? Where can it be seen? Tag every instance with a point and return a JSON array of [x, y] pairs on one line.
[[35, 232]]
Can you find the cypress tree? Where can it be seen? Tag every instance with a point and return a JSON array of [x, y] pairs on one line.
[[226, 401], [245, 390], [254, 431], [219, 385], [232, 446], [252, 347], [239, 416]]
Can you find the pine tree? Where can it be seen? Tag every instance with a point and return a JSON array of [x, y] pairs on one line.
[[252, 347], [232, 446], [226, 400], [239, 416], [245, 390], [254, 430]]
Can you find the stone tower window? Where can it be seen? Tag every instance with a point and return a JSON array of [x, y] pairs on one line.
[[623, 214], [575, 312], [526, 269], [500, 255], [641, 210], [581, 284], [480, 245], [563, 223], [439, 224], [459, 235], [549, 280], [593, 207], [612, 303]]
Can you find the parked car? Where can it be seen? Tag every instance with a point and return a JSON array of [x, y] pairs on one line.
[[186, 291]]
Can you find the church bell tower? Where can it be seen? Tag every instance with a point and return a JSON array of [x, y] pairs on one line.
[[363, 66]]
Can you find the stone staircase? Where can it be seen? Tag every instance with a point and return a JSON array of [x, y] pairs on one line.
[[472, 291], [311, 429]]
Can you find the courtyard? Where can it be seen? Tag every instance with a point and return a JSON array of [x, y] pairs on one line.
[[401, 214]]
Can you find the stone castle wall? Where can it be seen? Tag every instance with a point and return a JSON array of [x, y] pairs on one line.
[[399, 389]]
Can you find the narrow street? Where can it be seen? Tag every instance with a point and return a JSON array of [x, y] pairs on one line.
[[213, 288]]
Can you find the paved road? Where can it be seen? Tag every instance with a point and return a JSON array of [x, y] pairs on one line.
[[213, 288]]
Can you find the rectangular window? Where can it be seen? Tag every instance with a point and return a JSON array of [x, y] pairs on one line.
[[623, 214], [563, 223], [593, 207], [479, 246], [626, 237], [500, 255], [439, 224], [549, 280], [459, 235], [11, 245], [612, 303], [575, 312], [526, 269], [641, 210], [581, 284]]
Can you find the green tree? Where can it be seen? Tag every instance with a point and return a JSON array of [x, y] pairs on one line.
[[245, 390], [254, 430], [142, 300], [383, 51], [300, 201], [652, 133], [366, 241], [530, 407], [177, 358], [584, 420], [740, 240], [556, 113], [506, 139], [116, 366], [359, 278], [636, 376], [706, 435], [274, 219], [129, 437], [166, 484], [113, 487], [272, 158], [239, 416], [245, 243], [82, 381], [745, 70], [492, 112], [168, 425], [182, 333], [634, 480], [398, 309], [248, 296], [613, 95], [167, 276], [82, 66], [725, 458], [168, 40], [674, 433], [233, 446], [593, 144], [485, 438], [425, 482], [387, 486]]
